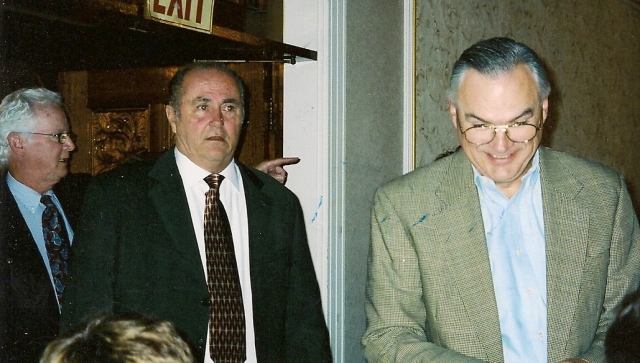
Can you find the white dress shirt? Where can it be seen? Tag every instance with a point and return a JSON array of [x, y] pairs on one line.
[[233, 199]]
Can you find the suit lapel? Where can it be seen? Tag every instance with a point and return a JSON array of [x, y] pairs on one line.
[[462, 231], [15, 229], [168, 198], [566, 234], [17, 234], [258, 212], [30, 284], [167, 195], [566, 238], [261, 256]]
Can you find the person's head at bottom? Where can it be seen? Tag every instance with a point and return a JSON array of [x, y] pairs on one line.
[[129, 338]]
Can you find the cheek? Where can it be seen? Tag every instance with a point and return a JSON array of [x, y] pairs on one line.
[[530, 148], [234, 129], [51, 154], [472, 149], [192, 131]]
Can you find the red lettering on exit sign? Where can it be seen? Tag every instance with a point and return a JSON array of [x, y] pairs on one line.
[[195, 14]]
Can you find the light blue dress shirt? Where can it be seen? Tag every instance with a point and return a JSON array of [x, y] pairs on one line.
[[28, 201], [515, 240]]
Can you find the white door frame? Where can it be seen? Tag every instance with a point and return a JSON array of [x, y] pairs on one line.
[[314, 130]]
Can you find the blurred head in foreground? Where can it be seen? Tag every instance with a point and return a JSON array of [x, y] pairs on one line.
[[120, 339]]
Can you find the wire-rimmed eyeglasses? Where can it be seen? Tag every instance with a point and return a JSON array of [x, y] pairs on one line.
[[520, 132], [61, 137]]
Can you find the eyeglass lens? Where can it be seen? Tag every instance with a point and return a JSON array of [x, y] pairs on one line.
[[515, 133], [62, 137]]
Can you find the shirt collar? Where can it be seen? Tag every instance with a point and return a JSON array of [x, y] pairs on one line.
[[25, 195], [193, 175]]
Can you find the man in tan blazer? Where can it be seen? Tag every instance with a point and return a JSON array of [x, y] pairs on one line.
[[504, 251]]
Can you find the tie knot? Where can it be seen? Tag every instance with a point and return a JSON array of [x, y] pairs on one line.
[[214, 180], [46, 200]]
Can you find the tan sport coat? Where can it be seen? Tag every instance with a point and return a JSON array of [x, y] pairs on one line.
[[430, 294]]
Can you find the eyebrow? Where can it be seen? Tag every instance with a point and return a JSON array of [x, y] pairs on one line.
[[201, 99], [526, 113], [231, 100], [208, 100]]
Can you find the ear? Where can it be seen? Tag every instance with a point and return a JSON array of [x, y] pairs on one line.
[[171, 116], [16, 143], [454, 114], [545, 109]]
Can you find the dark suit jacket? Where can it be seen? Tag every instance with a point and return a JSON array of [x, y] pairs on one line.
[[136, 250], [29, 315]]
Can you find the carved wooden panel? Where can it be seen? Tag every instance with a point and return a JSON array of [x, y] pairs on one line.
[[118, 136]]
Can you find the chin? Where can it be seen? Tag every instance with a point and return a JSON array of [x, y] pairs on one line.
[[61, 173]]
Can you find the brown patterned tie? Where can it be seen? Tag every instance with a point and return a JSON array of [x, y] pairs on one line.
[[226, 318]]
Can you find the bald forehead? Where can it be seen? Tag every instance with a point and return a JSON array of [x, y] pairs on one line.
[[212, 74], [498, 98]]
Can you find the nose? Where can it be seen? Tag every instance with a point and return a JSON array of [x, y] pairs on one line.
[[69, 145], [216, 118], [500, 140]]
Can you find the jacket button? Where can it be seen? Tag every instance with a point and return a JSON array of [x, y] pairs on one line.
[[9, 261], [206, 301]]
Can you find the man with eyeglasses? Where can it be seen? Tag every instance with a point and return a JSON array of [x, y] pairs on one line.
[[35, 146], [503, 251]]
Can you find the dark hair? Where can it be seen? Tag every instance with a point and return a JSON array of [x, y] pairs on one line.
[[175, 85], [497, 56], [130, 338], [622, 343]]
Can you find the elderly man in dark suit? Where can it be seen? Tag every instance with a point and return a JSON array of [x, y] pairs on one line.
[[35, 144], [145, 242]]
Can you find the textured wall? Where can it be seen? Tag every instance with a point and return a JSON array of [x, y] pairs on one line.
[[373, 133], [592, 50]]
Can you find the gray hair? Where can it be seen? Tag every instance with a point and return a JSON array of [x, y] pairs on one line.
[[17, 114], [497, 56]]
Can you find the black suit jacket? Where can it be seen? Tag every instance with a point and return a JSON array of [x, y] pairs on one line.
[[29, 315], [136, 250]]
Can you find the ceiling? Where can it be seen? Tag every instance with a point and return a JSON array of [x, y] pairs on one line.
[[66, 35]]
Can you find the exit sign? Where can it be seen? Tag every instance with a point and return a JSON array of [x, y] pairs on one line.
[[192, 14]]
